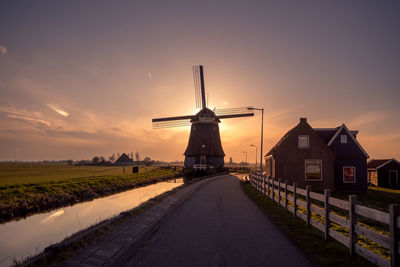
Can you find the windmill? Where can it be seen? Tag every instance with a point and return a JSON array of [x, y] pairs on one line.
[[204, 146]]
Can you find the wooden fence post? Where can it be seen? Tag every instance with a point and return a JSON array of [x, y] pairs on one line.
[[268, 186], [308, 200], [265, 186], [273, 190], [353, 222], [286, 200], [327, 194], [258, 182], [279, 192], [294, 200], [258, 176], [394, 210]]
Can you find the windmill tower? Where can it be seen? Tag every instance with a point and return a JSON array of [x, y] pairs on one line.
[[204, 146]]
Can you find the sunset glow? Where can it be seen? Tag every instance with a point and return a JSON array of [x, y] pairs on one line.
[[82, 80]]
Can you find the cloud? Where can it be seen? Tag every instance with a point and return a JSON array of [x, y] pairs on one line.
[[58, 110], [32, 117], [368, 118], [149, 75], [28, 119], [3, 50]]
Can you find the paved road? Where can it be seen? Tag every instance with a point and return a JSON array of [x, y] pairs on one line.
[[218, 226]]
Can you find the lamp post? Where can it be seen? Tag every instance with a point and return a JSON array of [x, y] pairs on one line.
[[262, 131], [246, 157], [256, 153]]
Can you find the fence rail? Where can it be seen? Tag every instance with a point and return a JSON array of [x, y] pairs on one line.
[[287, 196]]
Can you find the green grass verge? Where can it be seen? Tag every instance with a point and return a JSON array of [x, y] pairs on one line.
[[308, 239], [18, 200], [376, 197]]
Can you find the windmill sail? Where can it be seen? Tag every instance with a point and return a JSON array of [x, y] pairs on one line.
[[233, 113], [169, 122], [199, 88]]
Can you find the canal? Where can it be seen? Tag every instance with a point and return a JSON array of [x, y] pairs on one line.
[[30, 236]]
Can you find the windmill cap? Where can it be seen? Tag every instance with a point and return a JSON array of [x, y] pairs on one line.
[[303, 119]]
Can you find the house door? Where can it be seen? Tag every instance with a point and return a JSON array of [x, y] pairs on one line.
[[393, 178]]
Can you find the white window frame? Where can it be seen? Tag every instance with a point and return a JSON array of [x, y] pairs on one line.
[[355, 176], [298, 141], [343, 139], [397, 178], [305, 171]]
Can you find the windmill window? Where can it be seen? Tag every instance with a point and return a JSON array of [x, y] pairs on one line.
[[343, 139], [303, 141], [349, 174], [313, 169]]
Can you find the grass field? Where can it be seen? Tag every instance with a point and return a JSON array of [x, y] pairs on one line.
[[26, 188], [376, 197], [30, 173]]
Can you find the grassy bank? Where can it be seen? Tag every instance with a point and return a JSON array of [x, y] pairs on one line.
[[21, 199], [308, 239]]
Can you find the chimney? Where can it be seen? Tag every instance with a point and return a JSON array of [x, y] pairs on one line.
[[303, 119]]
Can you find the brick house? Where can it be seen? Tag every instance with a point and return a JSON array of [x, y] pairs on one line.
[[384, 173], [324, 158]]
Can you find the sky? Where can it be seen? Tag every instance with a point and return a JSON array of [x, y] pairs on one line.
[[85, 78]]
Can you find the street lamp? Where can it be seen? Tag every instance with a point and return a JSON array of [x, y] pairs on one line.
[[262, 129], [246, 156], [256, 153]]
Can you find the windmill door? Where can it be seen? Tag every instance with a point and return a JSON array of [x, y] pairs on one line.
[[203, 159]]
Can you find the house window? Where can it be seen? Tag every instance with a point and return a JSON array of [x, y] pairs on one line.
[[349, 174], [343, 139], [303, 141], [313, 170]]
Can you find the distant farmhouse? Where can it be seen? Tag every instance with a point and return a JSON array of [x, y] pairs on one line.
[[384, 173], [324, 158], [123, 160]]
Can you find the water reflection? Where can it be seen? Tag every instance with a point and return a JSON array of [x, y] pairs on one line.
[[52, 216], [19, 239]]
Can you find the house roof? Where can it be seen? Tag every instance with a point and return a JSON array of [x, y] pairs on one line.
[[379, 163], [275, 147], [352, 137], [123, 158], [326, 134]]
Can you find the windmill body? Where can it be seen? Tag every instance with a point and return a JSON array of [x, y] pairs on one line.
[[204, 146]]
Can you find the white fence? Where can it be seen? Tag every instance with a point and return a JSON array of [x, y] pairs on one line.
[[288, 196]]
